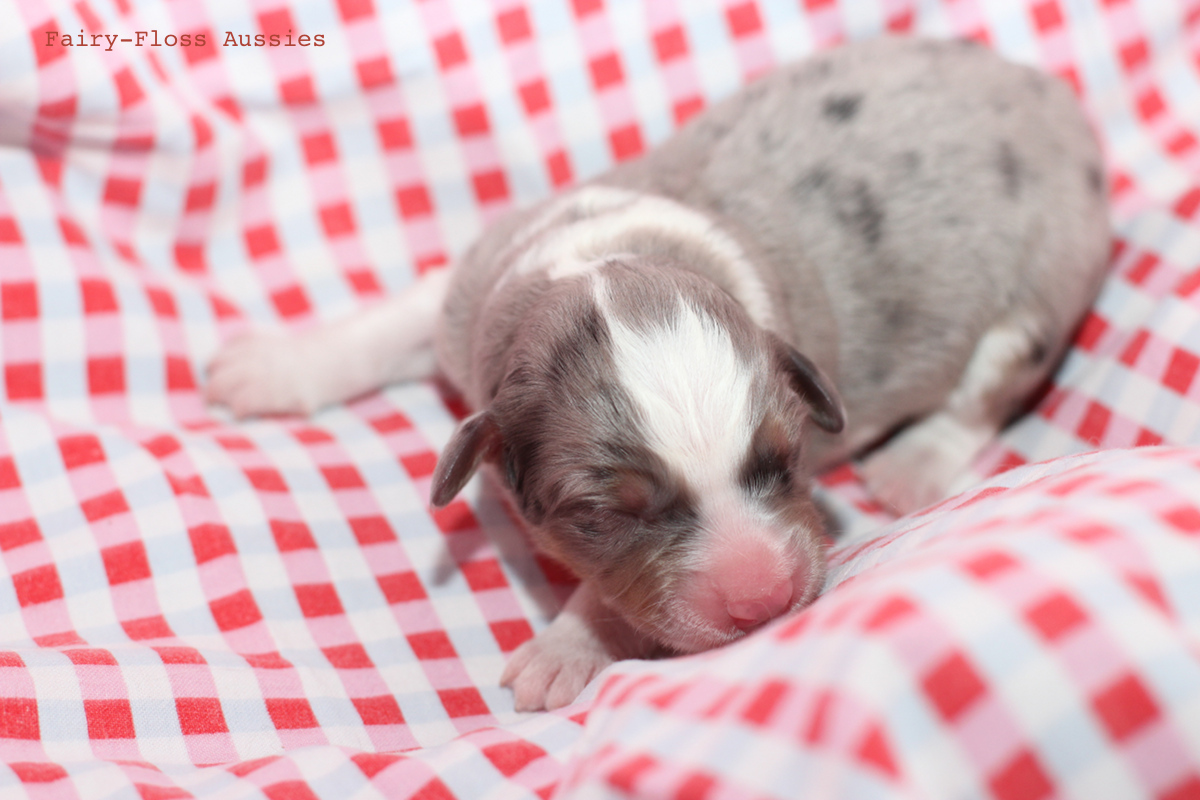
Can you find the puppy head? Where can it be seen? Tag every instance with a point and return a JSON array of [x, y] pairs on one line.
[[652, 437]]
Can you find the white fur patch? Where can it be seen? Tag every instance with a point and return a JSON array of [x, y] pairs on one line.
[[607, 215], [693, 390]]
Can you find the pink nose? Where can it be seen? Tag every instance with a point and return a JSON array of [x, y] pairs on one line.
[[749, 612]]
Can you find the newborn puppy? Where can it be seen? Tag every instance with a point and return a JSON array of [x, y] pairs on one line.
[[893, 239]]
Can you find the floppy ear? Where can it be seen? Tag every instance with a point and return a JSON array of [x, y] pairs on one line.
[[812, 384], [476, 437]]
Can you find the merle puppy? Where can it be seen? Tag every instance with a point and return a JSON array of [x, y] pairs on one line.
[[890, 242]]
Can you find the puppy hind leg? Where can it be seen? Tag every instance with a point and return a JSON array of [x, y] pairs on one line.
[[931, 458], [273, 372]]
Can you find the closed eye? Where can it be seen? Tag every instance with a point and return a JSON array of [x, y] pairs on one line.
[[766, 472]]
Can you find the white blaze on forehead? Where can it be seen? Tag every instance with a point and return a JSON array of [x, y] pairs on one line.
[[692, 388], [605, 215]]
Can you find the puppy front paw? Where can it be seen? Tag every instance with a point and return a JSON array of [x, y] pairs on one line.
[[261, 372], [550, 670]]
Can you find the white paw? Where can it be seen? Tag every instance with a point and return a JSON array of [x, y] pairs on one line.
[[550, 670], [923, 463], [263, 372]]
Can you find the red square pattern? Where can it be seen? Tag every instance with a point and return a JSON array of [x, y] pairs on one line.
[[626, 142], [128, 88], [343, 476], [261, 241], [367, 530], [471, 120], [235, 610], [670, 44], [381, 710], [744, 19], [108, 719], [606, 71], [511, 633], [147, 628], [81, 450], [375, 73], [200, 715], [23, 381], [353, 9], [348, 656], [291, 536], [106, 375], [953, 686], [485, 574], [464, 702], [337, 220], [1056, 616], [98, 296], [318, 599], [450, 50], [1181, 370], [509, 758], [395, 134], [431, 644], [103, 506], [513, 25], [37, 585], [414, 202], [19, 718], [9, 232], [18, 301], [37, 772], [291, 713], [1125, 707], [122, 191], [1021, 779], [9, 479], [535, 97], [211, 540], [195, 53], [319, 148], [490, 186], [15, 534], [402, 587], [125, 562]]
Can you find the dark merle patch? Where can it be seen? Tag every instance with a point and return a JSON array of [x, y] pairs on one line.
[[1010, 169], [812, 181], [841, 107], [897, 314], [879, 371], [910, 161], [767, 140], [853, 203], [1039, 352], [860, 210], [1095, 178]]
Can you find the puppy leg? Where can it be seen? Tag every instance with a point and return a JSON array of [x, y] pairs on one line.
[[550, 670], [931, 458], [271, 372]]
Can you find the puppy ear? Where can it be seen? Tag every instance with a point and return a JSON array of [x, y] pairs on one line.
[[476, 438], [812, 384]]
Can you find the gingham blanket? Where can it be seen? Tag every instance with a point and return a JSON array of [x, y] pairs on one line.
[[191, 607]]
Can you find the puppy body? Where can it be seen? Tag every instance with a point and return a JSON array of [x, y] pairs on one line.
[[656, 358]]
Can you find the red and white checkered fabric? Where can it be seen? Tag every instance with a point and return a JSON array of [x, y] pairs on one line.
[[195, 608]]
